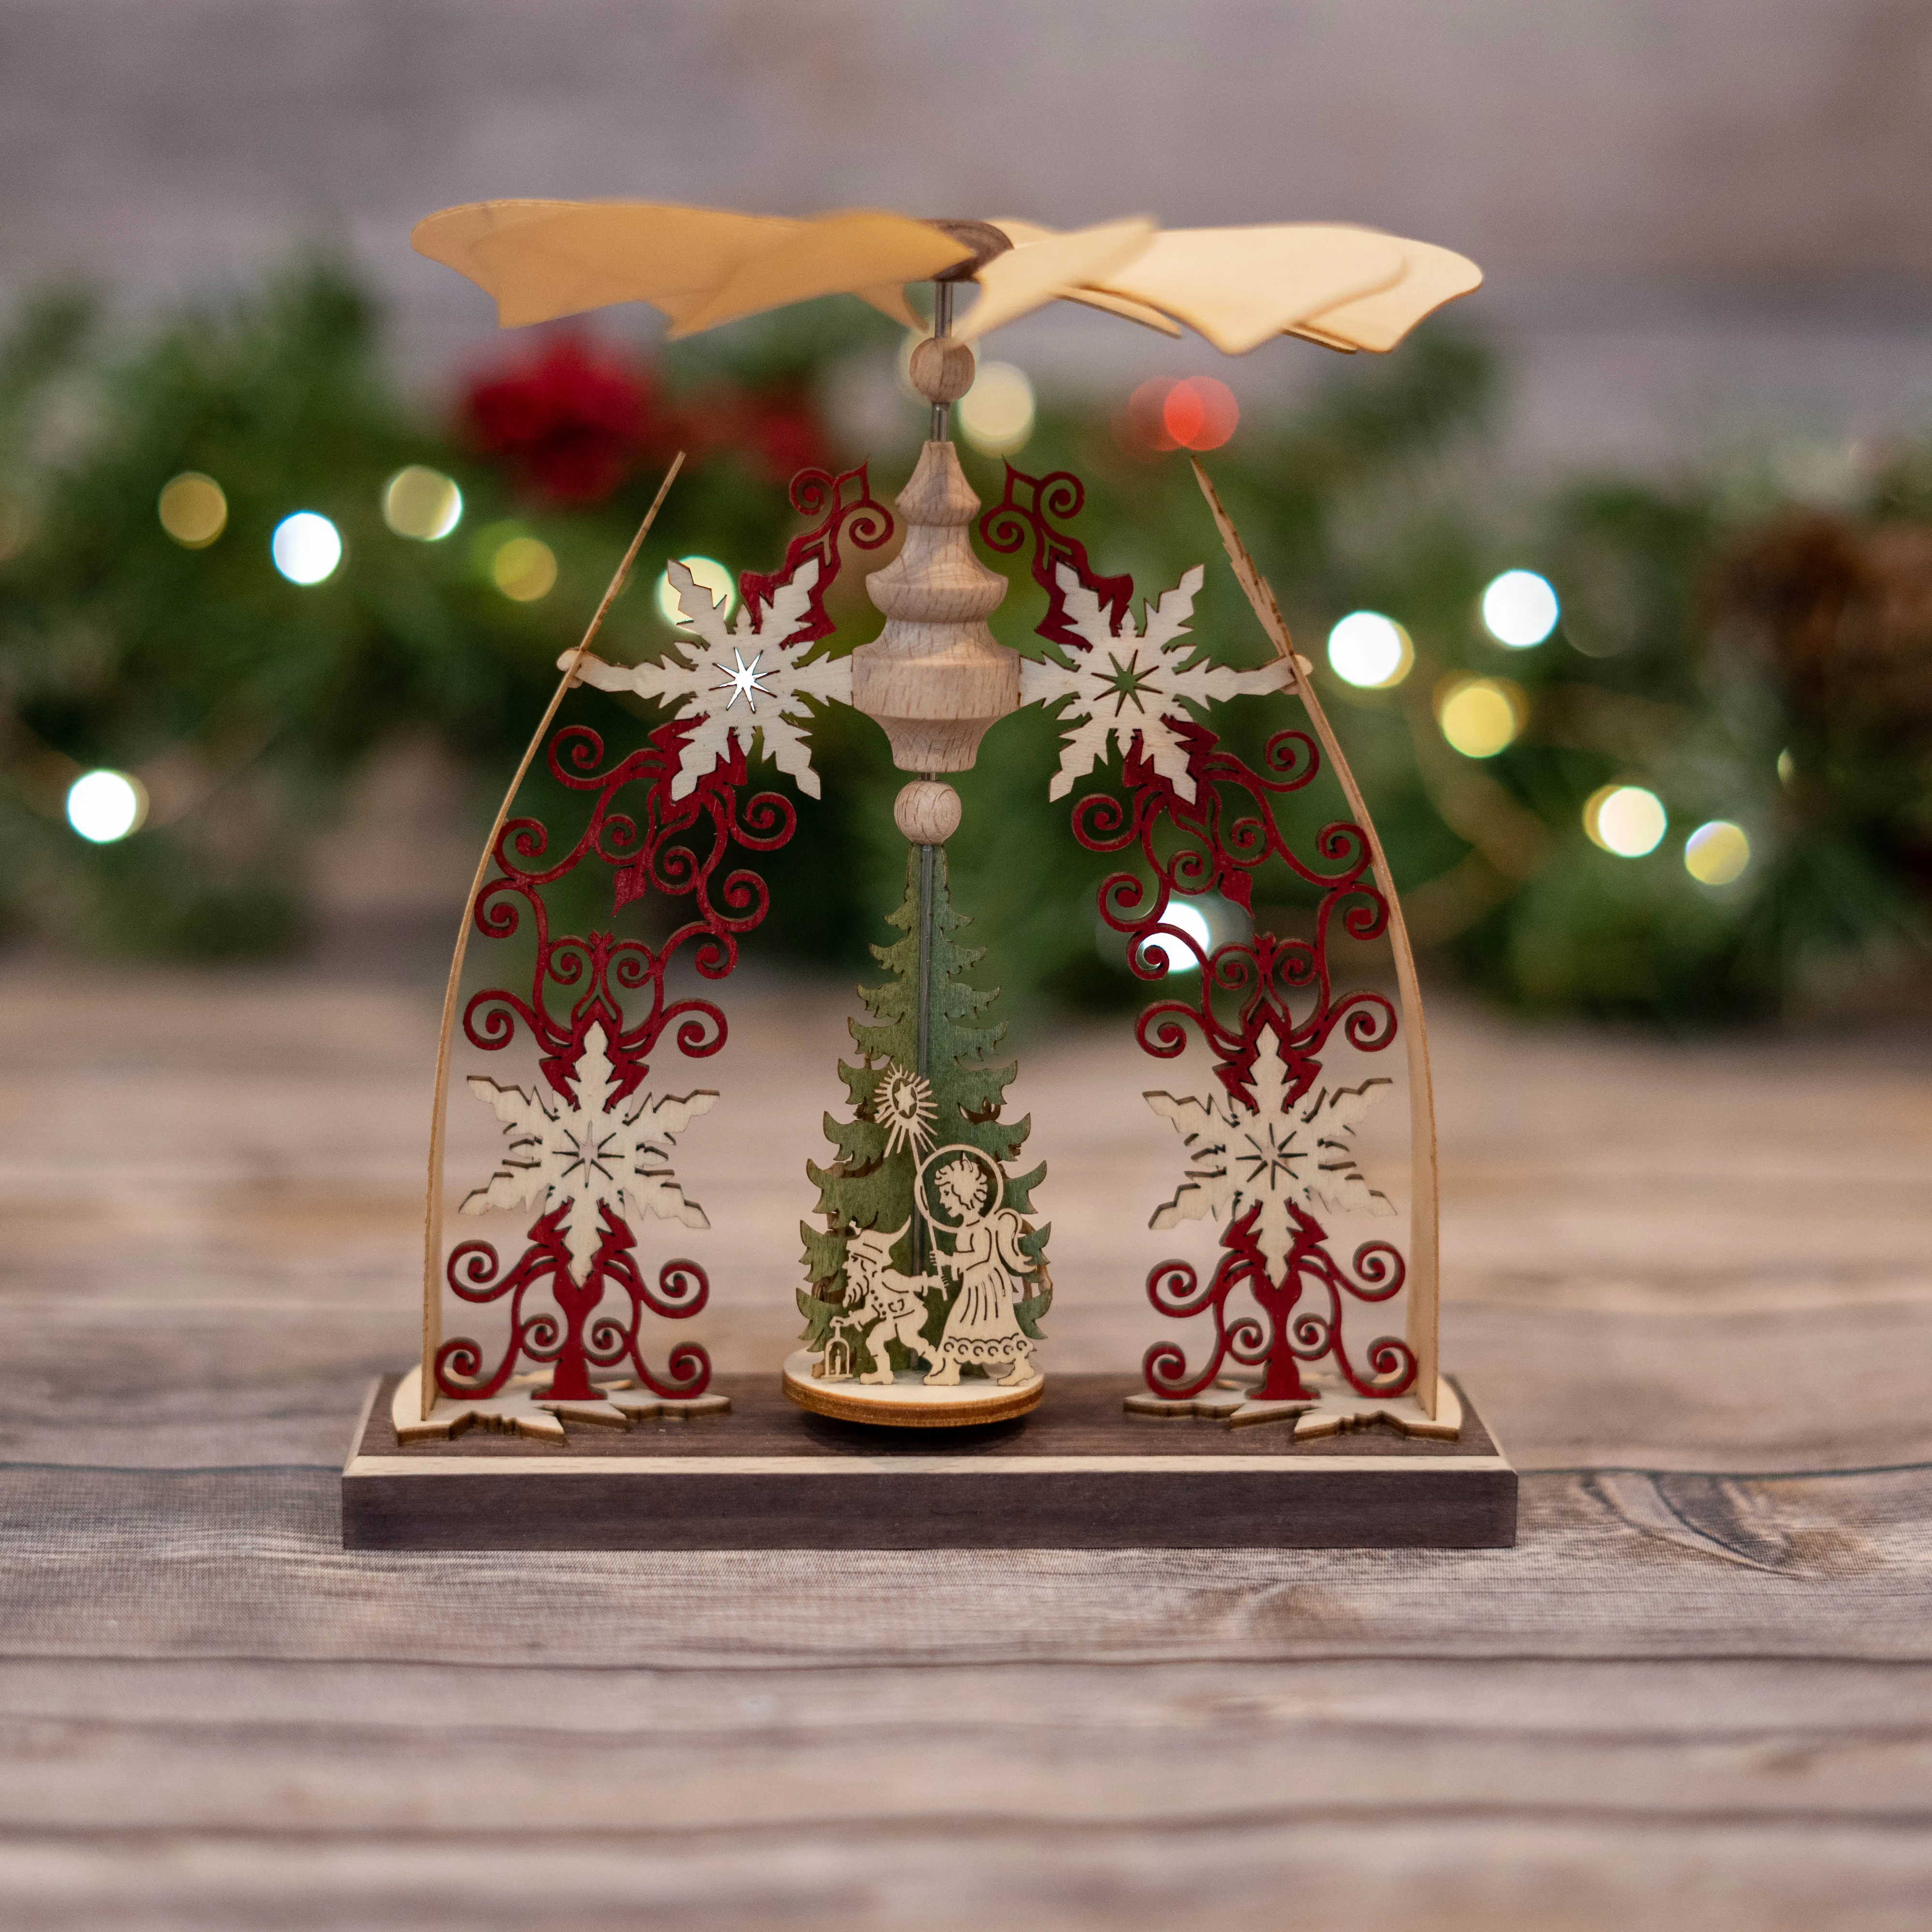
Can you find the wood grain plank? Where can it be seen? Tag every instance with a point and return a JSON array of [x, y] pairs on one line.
[[1567, 1387], [1479, 1873], [247, 1564]]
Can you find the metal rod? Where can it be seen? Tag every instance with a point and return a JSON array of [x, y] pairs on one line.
[[919, 1237], [942, 325], [925, 872]]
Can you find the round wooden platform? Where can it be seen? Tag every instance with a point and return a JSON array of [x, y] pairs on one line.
[[907, 1402]]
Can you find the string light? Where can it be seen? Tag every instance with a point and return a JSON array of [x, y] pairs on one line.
[[996, 414], [1480, 716], [306, 547], [103, 806], [1520, 609], [1198, 413], [192, 509], [421, 503], [1371, 651], [523, 569], [1626, 820], [1717, 853]]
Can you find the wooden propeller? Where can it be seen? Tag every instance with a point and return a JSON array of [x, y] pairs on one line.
[[1346, 288]]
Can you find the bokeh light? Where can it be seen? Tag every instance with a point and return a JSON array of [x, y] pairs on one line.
[[1787, 770], [1626, 820], [1185, 919], [1197, 413], [1520, 609], [1717, 853], [193, 510], [307, 547], [1480, 716], [523, 568], [996, 414], [103, 806], [715, 578], [1370, 650], [421, 503]]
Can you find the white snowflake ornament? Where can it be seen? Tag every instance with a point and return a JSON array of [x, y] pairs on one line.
[[1134, 683], [586, 1152], [737, 681], [1304, 1157]]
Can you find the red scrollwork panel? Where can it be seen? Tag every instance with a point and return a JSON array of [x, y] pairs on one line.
[[576, 1296], [1268, 1152]]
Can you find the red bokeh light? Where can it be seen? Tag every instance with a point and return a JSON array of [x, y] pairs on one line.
[[1196, 413], [1200, 413]]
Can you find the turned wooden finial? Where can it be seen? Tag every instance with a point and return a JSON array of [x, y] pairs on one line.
[[935, 678]]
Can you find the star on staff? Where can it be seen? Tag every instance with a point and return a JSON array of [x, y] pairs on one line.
[[742, 680]]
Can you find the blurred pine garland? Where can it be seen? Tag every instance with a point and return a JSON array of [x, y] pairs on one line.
[[1746, 659]]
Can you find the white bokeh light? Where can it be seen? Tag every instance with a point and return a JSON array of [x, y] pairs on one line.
[[306, 547], [1626, 820], [1370, 650], [1520, 609], [1186, 919], [1718, 854], [421, 503], [996, 414], [103, 806]]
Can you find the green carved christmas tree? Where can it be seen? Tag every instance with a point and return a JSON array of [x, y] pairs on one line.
[[897, 1108]]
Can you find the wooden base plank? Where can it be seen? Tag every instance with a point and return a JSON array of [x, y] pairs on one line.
[[1077, 1473]]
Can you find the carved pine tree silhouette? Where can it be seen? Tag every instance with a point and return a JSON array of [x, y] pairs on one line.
[[897, 1116]]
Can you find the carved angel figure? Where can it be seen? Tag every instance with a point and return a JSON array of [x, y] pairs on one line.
[[993, 1271]]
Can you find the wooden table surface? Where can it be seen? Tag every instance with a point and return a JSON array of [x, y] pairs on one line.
[[1688, 1284]]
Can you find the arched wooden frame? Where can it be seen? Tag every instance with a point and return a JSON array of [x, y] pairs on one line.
[[1424, 1265]]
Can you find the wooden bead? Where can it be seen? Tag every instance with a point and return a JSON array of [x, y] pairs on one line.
[[942, 370], [926, 811]]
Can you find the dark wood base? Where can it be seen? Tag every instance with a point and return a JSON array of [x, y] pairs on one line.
[[1076, 1474]]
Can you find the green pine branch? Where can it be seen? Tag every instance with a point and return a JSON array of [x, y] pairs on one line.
[[866, 1187]]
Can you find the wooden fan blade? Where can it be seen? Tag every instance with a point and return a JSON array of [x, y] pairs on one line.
[[890, 299], [836, 254], [1433, 276], [1132, 311], [1238, 286], [541, 260], [1023, 234], [1045, 266]]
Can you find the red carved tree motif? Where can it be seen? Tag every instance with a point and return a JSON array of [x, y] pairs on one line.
[[681, 849], [1266, 1006]]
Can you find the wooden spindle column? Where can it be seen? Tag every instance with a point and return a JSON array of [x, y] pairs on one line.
[[936, 678]]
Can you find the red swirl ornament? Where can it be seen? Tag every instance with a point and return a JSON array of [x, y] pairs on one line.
[[680, 850], [1278, 1299]]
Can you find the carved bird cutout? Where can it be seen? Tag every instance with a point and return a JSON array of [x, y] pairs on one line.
[[1345, 287]]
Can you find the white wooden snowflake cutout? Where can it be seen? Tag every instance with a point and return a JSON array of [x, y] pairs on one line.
[[737, 681], [590, 1153], [1303, 1157], [1134, 683]]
